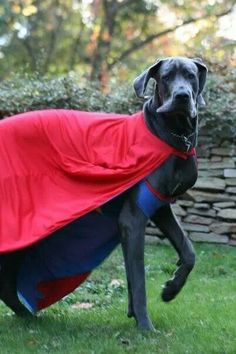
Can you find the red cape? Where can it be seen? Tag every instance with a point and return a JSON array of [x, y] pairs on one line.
[[57, 165]]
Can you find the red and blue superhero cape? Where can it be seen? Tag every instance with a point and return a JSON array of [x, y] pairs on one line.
[[57, 168]]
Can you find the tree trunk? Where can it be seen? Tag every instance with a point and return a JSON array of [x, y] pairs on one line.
[[99, 63]]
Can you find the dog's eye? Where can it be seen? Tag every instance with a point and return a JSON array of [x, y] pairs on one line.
[[166, 77], [191, 76]]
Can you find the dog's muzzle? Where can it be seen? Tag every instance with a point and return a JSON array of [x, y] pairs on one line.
[[180, 102], [182, 97]]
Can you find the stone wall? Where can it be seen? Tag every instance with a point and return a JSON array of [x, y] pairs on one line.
[[208, 211]]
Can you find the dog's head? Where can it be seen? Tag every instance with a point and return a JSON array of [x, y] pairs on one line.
[[179, 85]]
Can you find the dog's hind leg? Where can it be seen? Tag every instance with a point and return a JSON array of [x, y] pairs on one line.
[[130, 312], [10, 264], [165, 219]]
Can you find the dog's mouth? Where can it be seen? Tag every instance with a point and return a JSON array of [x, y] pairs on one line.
[[185, 110], [179, 122]]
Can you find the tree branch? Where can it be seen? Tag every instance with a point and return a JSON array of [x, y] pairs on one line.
[[153, 36], [115, 6], [125, 3], [101, 52], [75, 44], [53, 36], [26, 43]]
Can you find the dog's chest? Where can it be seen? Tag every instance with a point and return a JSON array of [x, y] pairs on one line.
[[175, 176]]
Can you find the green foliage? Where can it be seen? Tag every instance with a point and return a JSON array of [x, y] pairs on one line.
[[219, 115], [72, 92], [24, 94], [99, 37]]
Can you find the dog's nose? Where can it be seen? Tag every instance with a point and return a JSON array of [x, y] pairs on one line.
[[182, 95]]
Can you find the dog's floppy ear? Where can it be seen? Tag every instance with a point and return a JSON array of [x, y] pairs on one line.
[[140, 83], [202, 69]]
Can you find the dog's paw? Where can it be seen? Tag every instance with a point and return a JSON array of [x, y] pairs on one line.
[[169, 292], [130, 313], [146, 325]]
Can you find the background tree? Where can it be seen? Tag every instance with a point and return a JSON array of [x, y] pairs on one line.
[[104, 37]]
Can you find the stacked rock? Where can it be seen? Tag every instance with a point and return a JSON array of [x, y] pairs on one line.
[[208, 211]]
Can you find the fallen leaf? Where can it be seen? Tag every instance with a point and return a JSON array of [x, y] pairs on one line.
[[125, 341], [82, 305], [116, 283]]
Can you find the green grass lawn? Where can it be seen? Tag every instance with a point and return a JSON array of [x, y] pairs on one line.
[[202, 319]]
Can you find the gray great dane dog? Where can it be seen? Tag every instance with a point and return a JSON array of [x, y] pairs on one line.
[[170, 114]]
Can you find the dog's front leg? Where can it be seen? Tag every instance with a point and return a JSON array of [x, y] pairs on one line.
[[132, 224], [165, 219]]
